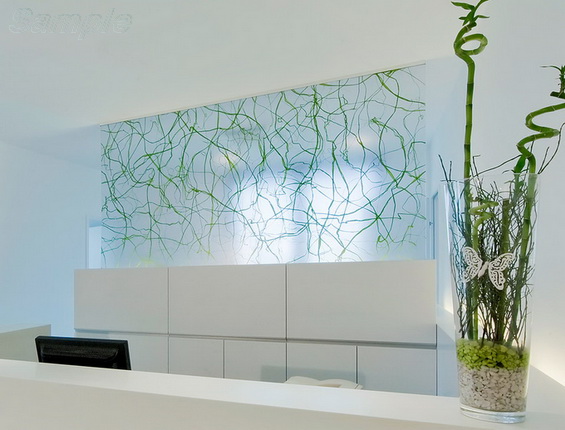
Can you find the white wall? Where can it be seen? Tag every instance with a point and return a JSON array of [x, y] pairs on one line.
[[523, 35], [45, 204], [177, 54], [202, 52]]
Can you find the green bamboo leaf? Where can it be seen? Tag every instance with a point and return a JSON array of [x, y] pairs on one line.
[[466, 6], [468, 20]]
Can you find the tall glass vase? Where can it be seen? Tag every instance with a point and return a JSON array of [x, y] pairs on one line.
[[491, 222]]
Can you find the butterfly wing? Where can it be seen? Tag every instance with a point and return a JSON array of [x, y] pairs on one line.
[[473, 261], [496, 268]]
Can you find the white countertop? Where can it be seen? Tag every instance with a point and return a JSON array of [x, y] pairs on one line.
[[47, 396]]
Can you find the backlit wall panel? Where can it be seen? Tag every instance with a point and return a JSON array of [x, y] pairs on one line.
[[328, 172]]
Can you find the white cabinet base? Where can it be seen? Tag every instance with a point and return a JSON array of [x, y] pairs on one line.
[[255, 360], [272, 322], [404, 370], [322, 361], [198, 357]]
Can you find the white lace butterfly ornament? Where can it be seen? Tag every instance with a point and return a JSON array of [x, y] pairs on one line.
[[476, 267]]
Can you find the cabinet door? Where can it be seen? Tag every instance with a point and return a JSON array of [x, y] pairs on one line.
[[132, 300], [228, 301], [404, 370], [321, 361], [382, 301], [199, 357], [255, 360]]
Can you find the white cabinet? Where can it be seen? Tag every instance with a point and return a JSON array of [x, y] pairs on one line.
[[130, 300], [199, 357], [370, 322], [321, 361], [404, 370], [255, 360], [384, 301], [228, 301]]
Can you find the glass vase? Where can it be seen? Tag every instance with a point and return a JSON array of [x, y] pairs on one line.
[[491, 235]]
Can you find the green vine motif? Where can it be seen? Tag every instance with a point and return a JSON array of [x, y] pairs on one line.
[[330, 172]]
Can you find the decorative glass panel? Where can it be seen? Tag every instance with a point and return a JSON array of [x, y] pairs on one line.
[[328, 172]]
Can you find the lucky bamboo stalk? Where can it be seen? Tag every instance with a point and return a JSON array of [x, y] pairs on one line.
[[479, 208], [527, 163], [464, 38]]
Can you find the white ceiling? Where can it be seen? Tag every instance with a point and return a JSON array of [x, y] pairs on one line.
[[56, 87]]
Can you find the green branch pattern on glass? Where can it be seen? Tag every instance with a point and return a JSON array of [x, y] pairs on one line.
[[328, 172]]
